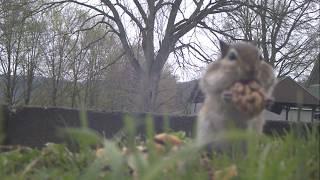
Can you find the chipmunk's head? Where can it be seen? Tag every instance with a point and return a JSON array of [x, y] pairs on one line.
[[243, 57], [240, 61]]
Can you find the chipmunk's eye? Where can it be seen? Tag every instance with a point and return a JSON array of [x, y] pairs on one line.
[[232, 56]]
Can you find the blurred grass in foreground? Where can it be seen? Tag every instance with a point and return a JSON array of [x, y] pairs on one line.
[[286, 157]]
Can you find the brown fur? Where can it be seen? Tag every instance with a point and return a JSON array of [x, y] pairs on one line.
[[216, 115]]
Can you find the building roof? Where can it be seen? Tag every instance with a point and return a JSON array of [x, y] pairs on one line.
[[286, 92]]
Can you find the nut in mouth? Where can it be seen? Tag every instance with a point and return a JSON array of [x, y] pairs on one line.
[[247, 96]]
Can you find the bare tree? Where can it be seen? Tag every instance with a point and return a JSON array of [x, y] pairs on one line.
[[31, 55], [158, 27], [56, 43], [103, 52], [12, 29], [76, 58], [286, 31]]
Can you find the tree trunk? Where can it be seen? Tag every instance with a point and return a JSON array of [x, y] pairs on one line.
[[74, 90], [54, 94], [29, 89], [148, 91], [74, 93], [9, 98]]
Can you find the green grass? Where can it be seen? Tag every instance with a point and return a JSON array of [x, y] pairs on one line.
[[286, 157]]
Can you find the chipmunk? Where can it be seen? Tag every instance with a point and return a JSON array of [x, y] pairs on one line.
[[240, 63]]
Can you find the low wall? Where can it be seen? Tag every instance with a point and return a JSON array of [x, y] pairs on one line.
[[35, 126]]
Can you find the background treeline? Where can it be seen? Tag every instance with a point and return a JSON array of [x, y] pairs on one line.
[[72, 54], [63, 57]]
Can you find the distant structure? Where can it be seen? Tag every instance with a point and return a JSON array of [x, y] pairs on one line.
[[313, 82]]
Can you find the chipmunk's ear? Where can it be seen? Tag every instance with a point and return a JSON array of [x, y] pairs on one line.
[[224, 47]]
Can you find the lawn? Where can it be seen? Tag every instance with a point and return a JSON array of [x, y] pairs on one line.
[[89, 156]]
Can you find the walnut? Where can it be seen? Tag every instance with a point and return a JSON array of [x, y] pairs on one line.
[[163, 139], [247, 97], [167, 138]]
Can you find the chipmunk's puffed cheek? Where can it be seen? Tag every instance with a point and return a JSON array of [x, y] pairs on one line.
[[212, 79], [266, 75]]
